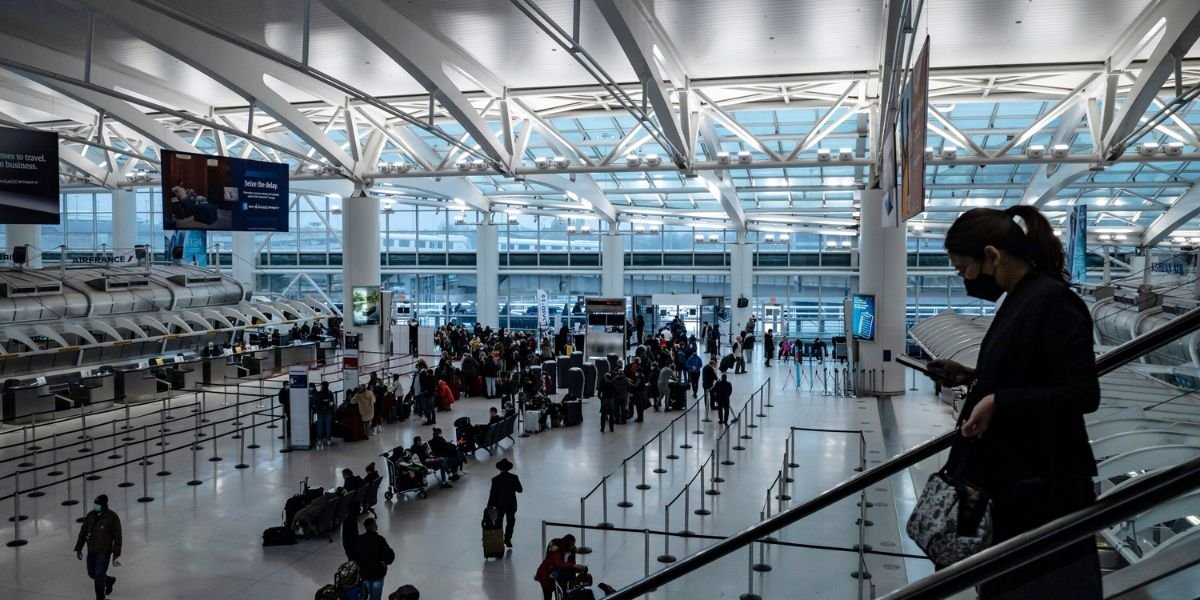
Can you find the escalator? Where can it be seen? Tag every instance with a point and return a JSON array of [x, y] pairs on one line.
[[1172, 568]]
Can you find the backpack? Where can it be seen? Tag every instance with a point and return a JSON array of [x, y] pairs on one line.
[[347, 575], [328, 592], [405, 592], [491, 518]]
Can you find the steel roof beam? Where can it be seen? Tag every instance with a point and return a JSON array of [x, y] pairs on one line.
[[582, 188], [1184, 209], [718, 182], [234, 67], [425, 57]]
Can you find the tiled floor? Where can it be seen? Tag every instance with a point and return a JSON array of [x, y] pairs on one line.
[[204, 541]]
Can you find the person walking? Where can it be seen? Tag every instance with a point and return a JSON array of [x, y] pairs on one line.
[[323, 407], [101, 533], [503, 497], [708, 378], [1024, 442], [694, 365], [608, 402], [721, 393], [373, 555], [769, 345]]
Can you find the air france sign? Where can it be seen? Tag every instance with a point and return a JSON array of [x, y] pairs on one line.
[[1169, 267], [116, 259]]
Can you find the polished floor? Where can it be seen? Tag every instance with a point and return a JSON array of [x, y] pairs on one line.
[[203, 541]]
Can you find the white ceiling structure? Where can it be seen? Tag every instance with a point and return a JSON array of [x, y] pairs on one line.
[[623, 110]]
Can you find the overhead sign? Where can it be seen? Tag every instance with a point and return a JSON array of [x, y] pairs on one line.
[[219, 193], [188, 247], [29, 177], [862, 316], [1077, 243], [543, 308], [914, 108]]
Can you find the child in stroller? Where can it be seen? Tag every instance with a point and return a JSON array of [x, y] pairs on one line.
[[404, 475]]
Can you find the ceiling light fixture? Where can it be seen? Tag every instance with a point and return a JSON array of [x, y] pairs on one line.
[[949, 152], [846, 154], [1147, 148], [561, 162], [653, 160], [1035, 151], [823, 155], [1059, 150], [1173, 149], [633, 160], [744, 157], [722, 158]]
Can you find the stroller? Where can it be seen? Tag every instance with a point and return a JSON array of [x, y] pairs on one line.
[[405, 476]]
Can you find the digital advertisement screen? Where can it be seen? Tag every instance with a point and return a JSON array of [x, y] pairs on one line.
[[28, 177], [218, 193], [188, 247], [365, 303], [1077, 243], [862, 316]]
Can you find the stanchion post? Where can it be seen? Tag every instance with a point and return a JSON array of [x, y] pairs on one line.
[[605, 523], [707, 408], [583, 547], [659, 469], [716, 478], [702, 511], [687, 510], [146, 497], [762, 566], [750, 595], [125, 482], [33, 432], [114, 455], [54, 456], [69, 501], [254, 431], [728, 455], [36, 493], [215, 438], [712, 485], [792, 449], [672, 455], [625, 503], [643, 485], [699, 430], [666, 556], [17, 540], [241, 451]]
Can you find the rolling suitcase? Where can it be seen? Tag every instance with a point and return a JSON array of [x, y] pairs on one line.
[[550, 370], [589, 380], [575, 381], [726, 363], [563, 364], [576, 359], [405, 592], [678, 399], [572, 413], [493, 534], [601, 367]]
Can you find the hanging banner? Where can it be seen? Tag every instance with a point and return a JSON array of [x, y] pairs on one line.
[[28, 177], [1076, 235], [299, 418], [914, 120], [887, 181], [350, 363], [543, 308]]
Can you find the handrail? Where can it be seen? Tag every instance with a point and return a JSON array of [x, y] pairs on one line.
[[1143, 493], [1105, 363]]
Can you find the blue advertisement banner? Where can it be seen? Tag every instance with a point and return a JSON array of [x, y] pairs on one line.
[[862, 317], [1077, 244], [188, 247], [218, 193]]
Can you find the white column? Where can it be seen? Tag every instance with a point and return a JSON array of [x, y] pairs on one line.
[[244, 259], [883, 272], [487, 274], [124, 221], [612, 264], [741, 281], [360, 263], [19, 235]]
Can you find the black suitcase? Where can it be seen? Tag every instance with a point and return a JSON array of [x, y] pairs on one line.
[[726, 363], [601, 367], [589, 380], [403, 411], [278, 536], [613, 361], [405, 592], [572, 413], [577, 359], [550, 369], [678, 399], [563, 364], [575, 381]]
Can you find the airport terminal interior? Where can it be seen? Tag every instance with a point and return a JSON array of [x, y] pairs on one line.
[[246, 245]]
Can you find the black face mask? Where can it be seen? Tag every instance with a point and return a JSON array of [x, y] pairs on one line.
[[984, 287]]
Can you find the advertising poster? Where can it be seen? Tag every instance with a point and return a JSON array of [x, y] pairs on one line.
[[192, 247], [298, 423], [543, 308], [350, 362], [365, 305], [1077, 244], [887, 181], [218, 193], [862, 316], [914, 120], [28, 177]]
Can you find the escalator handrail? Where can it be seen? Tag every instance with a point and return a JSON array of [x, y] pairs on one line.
[[1143, 494], [1105, 363]]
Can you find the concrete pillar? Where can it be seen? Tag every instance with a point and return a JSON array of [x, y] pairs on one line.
[[124, 221], [741, 281], [612, 263], [883, 271], [360, 265], [18, 235], [487, 274], [244, 259]]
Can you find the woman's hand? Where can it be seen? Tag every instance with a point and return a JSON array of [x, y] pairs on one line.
[[981, 417], [950, 373]]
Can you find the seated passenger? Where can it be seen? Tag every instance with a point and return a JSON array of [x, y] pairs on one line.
[[306, 519], [493, 416], [372, 474], [350, 481], [421, 452], [442, 448]]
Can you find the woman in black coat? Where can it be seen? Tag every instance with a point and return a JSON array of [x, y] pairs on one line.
[[1023, 436]]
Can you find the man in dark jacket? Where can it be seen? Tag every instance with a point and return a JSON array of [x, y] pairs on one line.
[[721, 393], [101, 532], [708, 377], [503, 497], [373, 555]]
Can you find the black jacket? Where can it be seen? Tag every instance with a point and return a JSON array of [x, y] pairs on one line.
[[101, 532], [505, 488], [708, 377], [373, 555], [721, 391], [1037, 358]]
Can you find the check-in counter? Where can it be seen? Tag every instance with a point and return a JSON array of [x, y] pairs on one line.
[[134, 384], [26, 398], [184, 375], [217, 369], [96, 390], [297, 354]]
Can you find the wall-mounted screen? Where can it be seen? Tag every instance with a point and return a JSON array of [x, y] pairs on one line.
[[28, 177], [862, 316], [365, 304], [218, 193]]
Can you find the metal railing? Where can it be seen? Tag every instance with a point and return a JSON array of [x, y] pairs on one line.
[[1105, 363]]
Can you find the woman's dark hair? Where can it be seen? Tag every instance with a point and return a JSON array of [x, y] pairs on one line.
[[979, 228]]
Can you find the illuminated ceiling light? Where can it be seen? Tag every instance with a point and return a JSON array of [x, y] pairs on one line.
[[512, 218], [1120, 237], [313, 168], [949, 152], [460, 219], [570, 229], [783, 237], [845, 243], [541, 162], [928, 152], [459, 201], [633, 160], [846, 154], [1059, 150], [1173, 149], [770, 237], [744, 157], [653, 160], [699, 237], [1035, 151], [561, 162], [823, 155], [401, 167], [1178, 240], [831, 244], [1147, 148], [585, 229], [478, 164], [713, 238], [1104, 237], [722, 158], [383, 167], [462, 165]]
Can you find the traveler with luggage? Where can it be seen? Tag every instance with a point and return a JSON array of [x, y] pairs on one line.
[[665, 377], [721, 393], [769, 346], [323, 408], [364, 399], [608, 403], [503, 497], [373, 555], [708, 377], [101, 533], [558, 566], [739, 355]]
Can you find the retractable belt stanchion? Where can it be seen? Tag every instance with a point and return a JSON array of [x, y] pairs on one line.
[[113, 455], [54, 456], [36, 493], [125, 482], [643, 485], [241, 451], [685, 445], [698, 430], [583, 547], [625, 503], [17, 517], [69, 501], [33, 432], [253, 431], [604, 523], [707, 409], [659, 469], [672, 455], [712, 483], [215, 439], [702, 511], [750, 595]]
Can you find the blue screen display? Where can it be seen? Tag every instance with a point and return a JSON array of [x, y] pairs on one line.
[[862, 316], [219, 193]]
